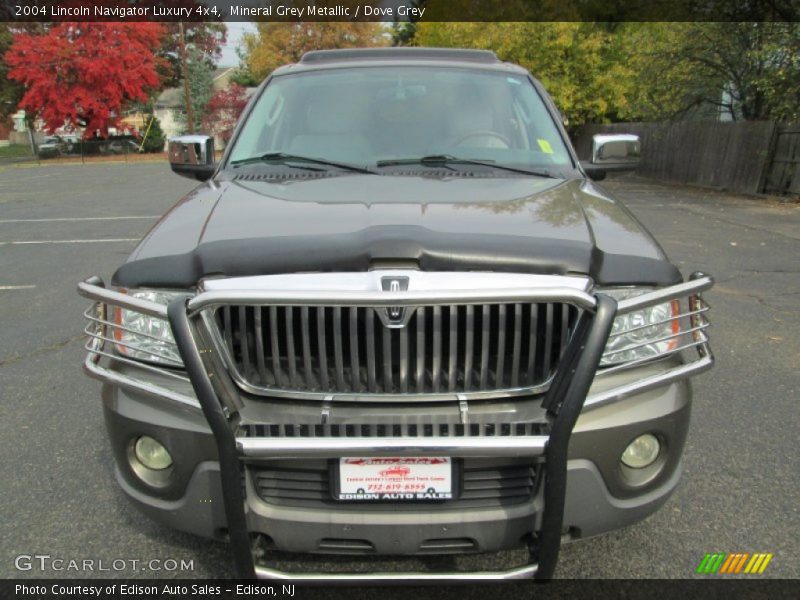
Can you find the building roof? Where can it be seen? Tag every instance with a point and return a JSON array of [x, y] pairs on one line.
[[221, 72], [170, 98]]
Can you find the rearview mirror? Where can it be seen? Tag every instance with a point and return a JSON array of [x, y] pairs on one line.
[[192, 156], [613, 152]]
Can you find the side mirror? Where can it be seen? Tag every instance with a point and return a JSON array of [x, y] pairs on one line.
[[192, 156], [613, 152]]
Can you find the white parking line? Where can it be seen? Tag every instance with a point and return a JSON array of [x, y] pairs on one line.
[[108, 240], [76, 219], [17, 287]]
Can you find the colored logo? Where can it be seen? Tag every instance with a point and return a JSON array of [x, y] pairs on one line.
[[734, 563]]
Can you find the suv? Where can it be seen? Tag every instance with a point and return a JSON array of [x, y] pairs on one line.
[[398, 318]]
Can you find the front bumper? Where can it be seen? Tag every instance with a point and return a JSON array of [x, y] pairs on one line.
[[582, 496], [591, 508], [597, 499]]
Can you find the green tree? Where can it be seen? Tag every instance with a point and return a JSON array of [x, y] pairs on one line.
[[599, 72], [404, 32], [578, 63], [10, 91], [207, 38], [746, 70], [657, 88], [155, 139], [201, 78], [241, 74]]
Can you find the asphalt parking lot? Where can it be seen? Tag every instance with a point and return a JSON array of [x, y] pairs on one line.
[[59, 224]]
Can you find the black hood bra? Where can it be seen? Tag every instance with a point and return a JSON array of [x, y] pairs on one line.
[[353, 223]]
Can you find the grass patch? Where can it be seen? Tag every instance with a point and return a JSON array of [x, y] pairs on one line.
[[15, 151]]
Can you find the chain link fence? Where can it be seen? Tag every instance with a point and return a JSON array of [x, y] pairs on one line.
[[73, 149]]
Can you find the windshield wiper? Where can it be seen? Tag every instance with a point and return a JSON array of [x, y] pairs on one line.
[[447, 159], [284, 158]]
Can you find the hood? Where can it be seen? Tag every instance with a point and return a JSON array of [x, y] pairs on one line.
[[250, 226]]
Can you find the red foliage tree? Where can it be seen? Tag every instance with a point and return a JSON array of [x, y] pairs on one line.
[[85, 73], [223, 110]]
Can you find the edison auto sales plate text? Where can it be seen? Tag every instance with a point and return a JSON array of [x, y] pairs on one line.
[[407, 478]]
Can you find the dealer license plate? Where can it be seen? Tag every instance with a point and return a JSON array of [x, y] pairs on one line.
[[395, 479]]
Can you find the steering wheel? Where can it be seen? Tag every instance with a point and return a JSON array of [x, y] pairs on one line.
[[484, 134]]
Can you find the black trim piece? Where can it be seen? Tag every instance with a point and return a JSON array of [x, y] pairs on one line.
[[555, 486], [558, 119], [230, 471], [199, 172], [568, 365], [623, 269], [433, 251]]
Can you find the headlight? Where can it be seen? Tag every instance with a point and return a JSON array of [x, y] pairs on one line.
[[641, 334], [144, 337]]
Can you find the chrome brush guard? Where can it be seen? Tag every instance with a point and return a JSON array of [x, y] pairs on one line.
[[206, 377]]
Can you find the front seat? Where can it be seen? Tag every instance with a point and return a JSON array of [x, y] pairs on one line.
[[332, 132], [471, 123]]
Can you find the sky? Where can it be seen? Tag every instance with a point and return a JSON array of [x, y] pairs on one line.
[[235, 31]]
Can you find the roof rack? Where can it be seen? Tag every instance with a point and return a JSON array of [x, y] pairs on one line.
[[356, 54]]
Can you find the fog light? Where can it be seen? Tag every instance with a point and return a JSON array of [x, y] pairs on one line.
[[152, 454], [641, 452]]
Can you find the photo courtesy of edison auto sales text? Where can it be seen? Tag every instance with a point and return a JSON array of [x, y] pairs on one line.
[[159, 590]]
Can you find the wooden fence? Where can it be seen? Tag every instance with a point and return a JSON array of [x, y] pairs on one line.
[[746, 156], [783, 172]]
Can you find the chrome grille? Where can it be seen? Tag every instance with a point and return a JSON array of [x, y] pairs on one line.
[[445, 350]]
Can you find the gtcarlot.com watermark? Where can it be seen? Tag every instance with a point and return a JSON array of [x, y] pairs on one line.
[[46, 562]]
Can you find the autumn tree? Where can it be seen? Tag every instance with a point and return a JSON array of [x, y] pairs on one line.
[[598, 72], [276, 44], [241, 74], [578, 63], [11, 91], [85, 73], [223, 111]]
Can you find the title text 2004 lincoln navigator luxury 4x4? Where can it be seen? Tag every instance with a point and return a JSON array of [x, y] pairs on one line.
[[398, 318]]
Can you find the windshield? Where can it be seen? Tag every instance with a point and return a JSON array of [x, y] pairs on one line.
[[372, 116]]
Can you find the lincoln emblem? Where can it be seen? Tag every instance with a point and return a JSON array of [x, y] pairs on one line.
[[395, 315]]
